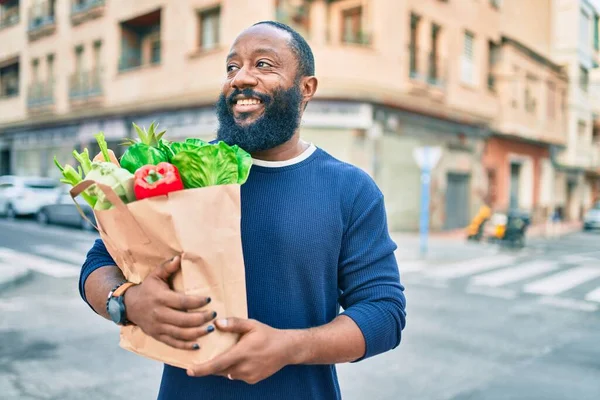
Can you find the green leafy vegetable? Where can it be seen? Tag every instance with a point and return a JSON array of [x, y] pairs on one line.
[[119, 179], [84, 160], [244, 160], [145, 150], [215, 164], [73, 177]]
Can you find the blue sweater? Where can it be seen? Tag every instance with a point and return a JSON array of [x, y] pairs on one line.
[[315, 238]]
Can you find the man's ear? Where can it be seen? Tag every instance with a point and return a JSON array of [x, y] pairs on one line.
[[308, 87]]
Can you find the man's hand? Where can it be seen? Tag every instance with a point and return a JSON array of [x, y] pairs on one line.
[[260, 352], [165, 314]]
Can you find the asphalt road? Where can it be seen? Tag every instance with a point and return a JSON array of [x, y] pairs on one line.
[[519, 325]]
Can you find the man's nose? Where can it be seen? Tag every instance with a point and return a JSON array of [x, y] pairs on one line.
[[243, 79]]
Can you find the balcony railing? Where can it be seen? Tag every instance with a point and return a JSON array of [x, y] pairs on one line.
[[86, 84], [358, 38], [9, 17], [87, 9], [40, 94], [42, 21], [132, 58], [427, 67]]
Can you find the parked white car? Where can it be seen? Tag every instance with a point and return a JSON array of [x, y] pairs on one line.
[[25, 195], [591, 220]]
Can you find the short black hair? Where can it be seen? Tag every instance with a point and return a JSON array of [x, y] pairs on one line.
[[306, 60]]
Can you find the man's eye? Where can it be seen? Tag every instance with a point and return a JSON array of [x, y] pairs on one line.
[[231, 68], [263, 64]]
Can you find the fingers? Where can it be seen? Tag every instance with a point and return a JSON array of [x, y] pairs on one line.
[[185, 319], [186, 334], [236, 325], [219, 364], [179, 301], [178, 344], [165, 270]]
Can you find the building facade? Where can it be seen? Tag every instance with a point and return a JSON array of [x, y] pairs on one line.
[[393, 76]]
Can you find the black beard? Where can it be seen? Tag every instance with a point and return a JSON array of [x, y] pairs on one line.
[[277, 124]]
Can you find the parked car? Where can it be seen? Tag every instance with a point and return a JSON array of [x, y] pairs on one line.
[[62, 211], [591, 220], [25, 195]]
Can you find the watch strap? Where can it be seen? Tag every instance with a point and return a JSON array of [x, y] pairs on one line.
[[120, 291]]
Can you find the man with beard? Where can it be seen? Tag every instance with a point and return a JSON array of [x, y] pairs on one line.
[[314, 236]]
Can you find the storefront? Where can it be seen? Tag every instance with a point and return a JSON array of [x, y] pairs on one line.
[[381, 141], [521, 176]]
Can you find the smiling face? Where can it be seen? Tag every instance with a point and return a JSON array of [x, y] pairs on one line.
[[263, 95]]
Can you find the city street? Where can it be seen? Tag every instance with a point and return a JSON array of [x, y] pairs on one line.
[[485, 325]]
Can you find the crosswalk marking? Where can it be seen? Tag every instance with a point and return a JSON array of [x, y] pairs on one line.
[[568, 303], [40, 264], [594, 295], [514, 274], [470, 267], [562, 281], [72, 257]]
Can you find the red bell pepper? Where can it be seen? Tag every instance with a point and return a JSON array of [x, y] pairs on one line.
[[156, 180]]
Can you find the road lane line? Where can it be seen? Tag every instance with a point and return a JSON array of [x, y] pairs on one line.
[[594, 295], [73, 257], [563, 281], [514, 274], [470, 267], [40, 264]]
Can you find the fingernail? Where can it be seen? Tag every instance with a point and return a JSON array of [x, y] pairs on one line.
[[208, 299], [214, 314], [190, 372], [210, 328], [222, 322], [196, 346]]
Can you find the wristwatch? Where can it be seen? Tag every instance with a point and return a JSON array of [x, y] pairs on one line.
[[115, 304]]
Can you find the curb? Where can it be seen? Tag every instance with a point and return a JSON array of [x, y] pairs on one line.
[[14, 277]]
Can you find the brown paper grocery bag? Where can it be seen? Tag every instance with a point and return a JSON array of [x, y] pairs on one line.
[[203, 227]]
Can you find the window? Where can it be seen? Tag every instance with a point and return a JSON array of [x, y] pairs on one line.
[[155, 51], [530, 100], [79, 59], [584, 29], [210, 24], [352, 30], [9, 13], [35, 70], [294, 13], [434, 73], [515, 86], [493, 58], [50, 66], [97, 54], [140, 41], [413, 47], [551, 100], [468, 59], [584, 78], [9, 80]]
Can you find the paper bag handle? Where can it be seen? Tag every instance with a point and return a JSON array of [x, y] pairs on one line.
[[76, 191], [114, 200]]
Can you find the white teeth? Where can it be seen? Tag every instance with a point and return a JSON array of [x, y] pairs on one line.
[[247, 102]]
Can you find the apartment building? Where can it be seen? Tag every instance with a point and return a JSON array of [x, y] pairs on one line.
[[566, 31], [394, 76], [531, 122]]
